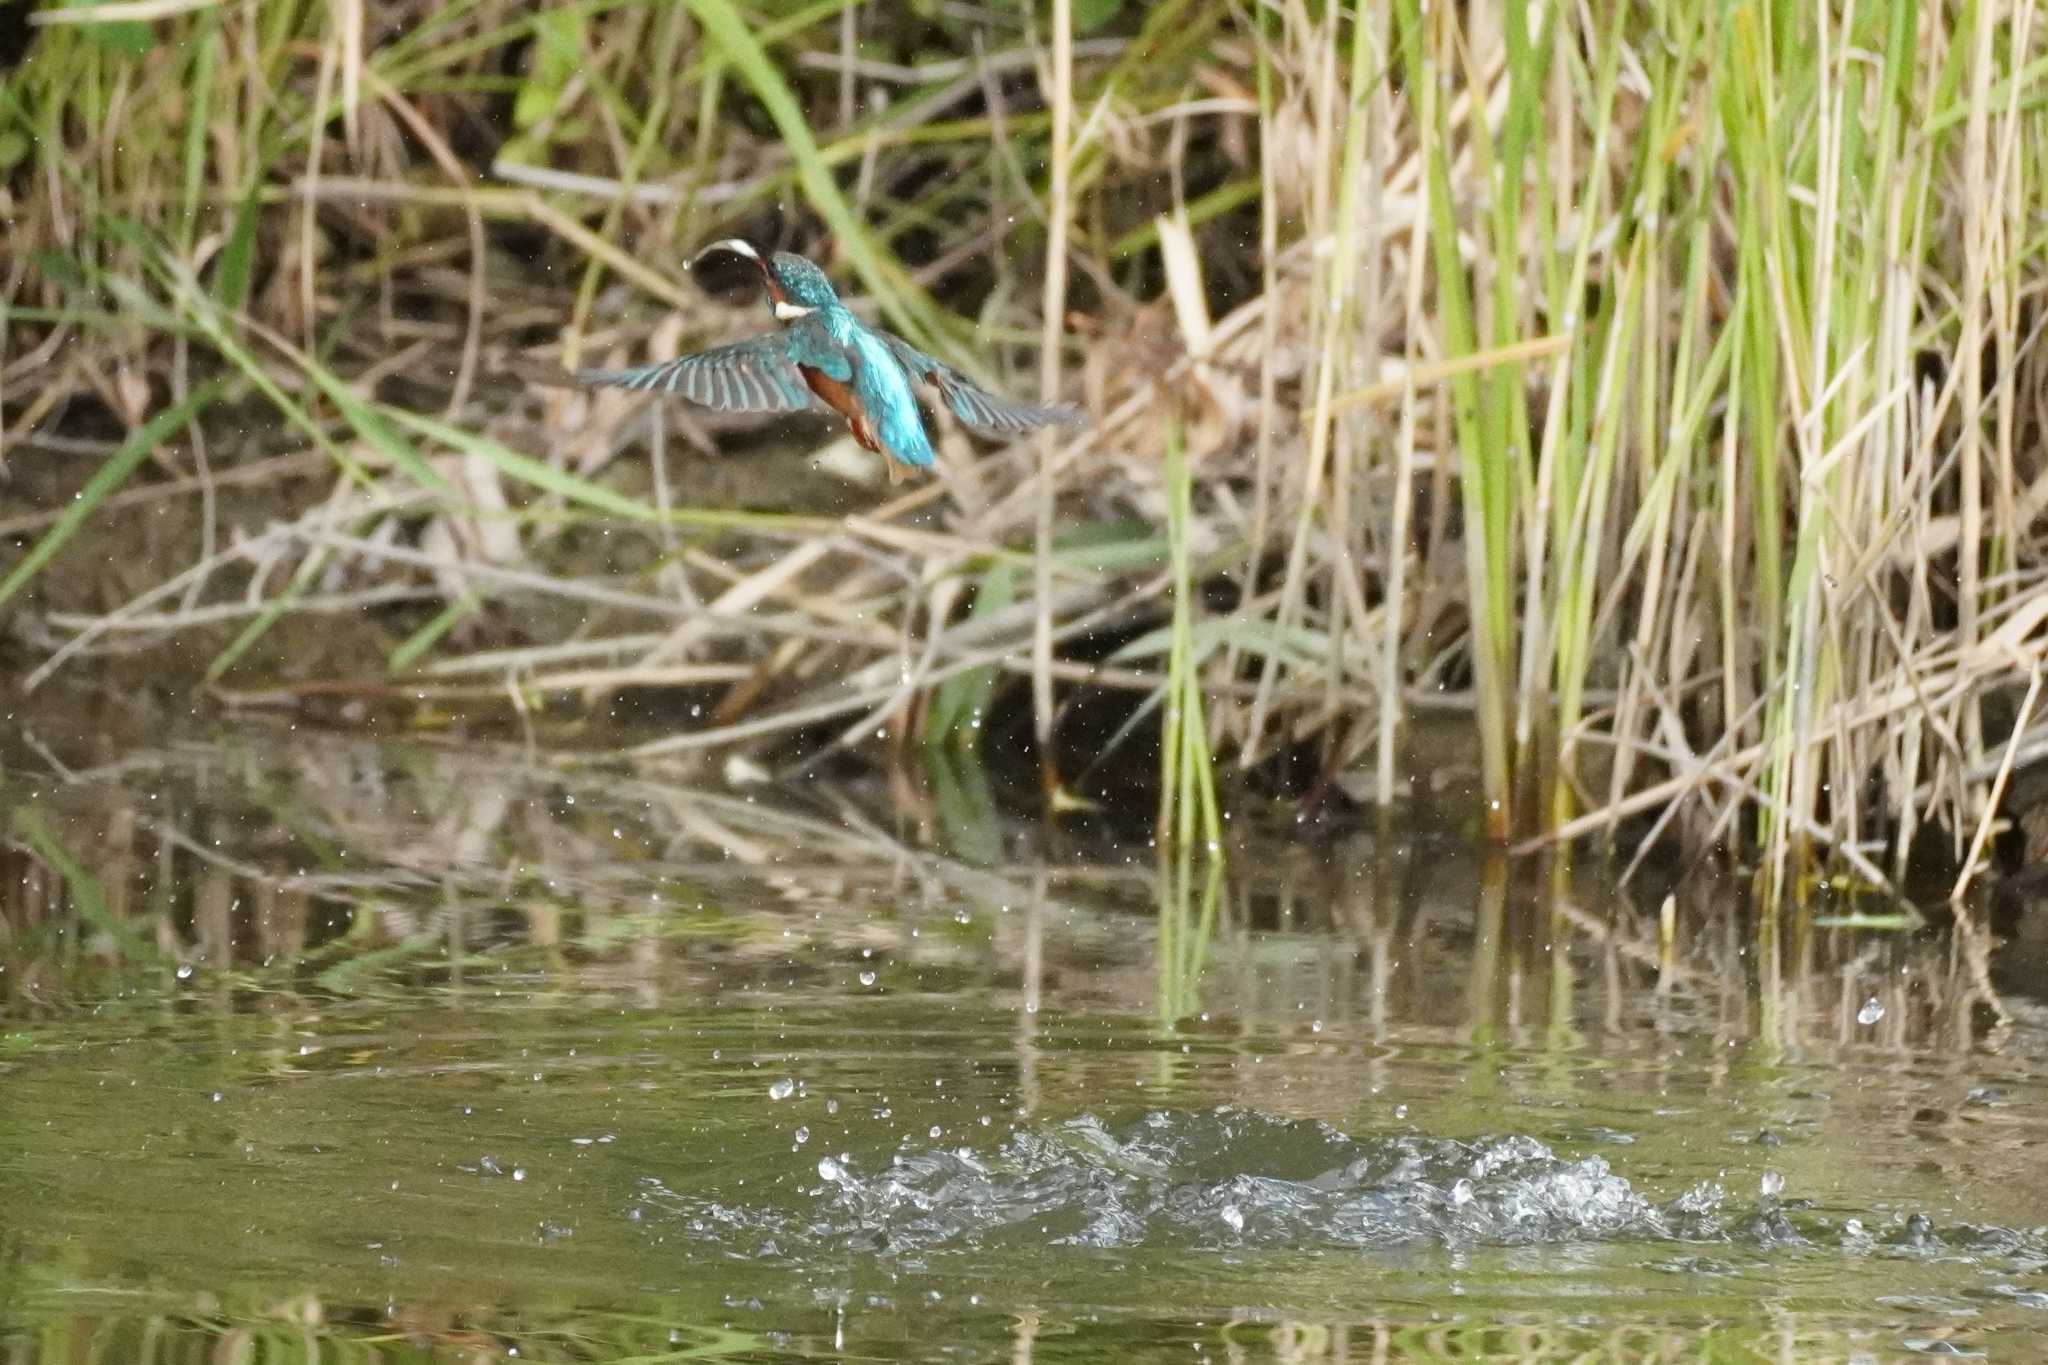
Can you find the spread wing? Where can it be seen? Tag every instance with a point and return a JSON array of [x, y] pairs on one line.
[[977, 408], [756, 375]]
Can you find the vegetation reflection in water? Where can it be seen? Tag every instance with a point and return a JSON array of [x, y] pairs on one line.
[[319, 1047]]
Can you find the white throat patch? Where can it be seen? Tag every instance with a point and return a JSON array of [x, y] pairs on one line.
[[785, 311]]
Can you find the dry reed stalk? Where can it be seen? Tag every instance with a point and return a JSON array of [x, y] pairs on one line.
[[1059, 209]]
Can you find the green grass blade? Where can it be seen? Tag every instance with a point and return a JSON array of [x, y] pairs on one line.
[[105, 480], [87, 896], [596, 496], [427, 636], [961, 701], [273, 611]]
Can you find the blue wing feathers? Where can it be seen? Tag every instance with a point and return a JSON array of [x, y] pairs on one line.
[[979, 410], [760, 374]]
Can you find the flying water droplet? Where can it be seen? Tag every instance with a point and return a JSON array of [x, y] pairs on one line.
[[782, 1089], [1772, 1185], [1870, 1013]]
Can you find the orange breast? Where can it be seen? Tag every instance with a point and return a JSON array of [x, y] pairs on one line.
[[841, 400]]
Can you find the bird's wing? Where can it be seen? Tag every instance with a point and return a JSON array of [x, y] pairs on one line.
[[977, 408], [760, 374]]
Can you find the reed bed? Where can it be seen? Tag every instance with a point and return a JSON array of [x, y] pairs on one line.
[[1658, 384]]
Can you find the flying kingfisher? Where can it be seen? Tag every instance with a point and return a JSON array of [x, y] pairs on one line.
[[822, 351]]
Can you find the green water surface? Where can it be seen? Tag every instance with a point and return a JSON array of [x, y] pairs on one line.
[[324, 1050]]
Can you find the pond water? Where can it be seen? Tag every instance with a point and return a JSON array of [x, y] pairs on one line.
[[321, 1047]]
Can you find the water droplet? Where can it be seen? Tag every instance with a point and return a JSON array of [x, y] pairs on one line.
[[184, 971], [867, 978], [802, 1135], [519, 1173], [782, 1089], [1870, 1013], [1772, 1185], [828, 1169], [1400, 1111]]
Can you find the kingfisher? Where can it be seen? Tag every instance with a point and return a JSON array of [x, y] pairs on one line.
[[824, 353]]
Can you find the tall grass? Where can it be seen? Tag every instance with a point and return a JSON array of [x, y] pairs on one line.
[[1653, 382]]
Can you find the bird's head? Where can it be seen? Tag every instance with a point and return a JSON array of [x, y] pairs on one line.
[[795, 283], [796, 288]]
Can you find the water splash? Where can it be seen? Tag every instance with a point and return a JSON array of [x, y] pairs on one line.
[[1224, 1178]]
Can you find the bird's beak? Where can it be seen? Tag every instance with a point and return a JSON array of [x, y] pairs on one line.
[[738, 246]]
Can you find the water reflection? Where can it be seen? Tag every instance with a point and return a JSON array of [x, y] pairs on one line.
[[448, 1049]]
